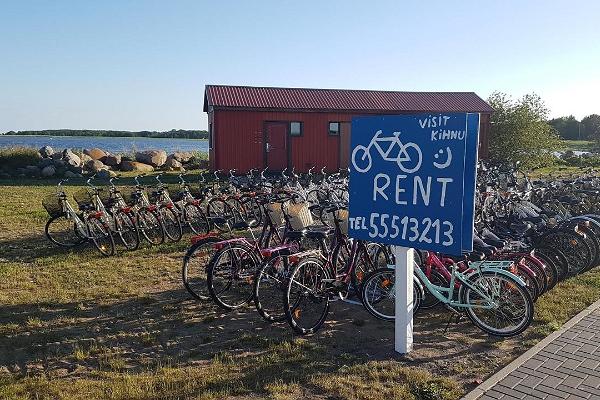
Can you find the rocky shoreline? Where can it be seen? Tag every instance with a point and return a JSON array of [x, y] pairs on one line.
[[69, 164]]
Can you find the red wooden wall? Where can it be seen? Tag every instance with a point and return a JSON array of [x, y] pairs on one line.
[[238, 139]]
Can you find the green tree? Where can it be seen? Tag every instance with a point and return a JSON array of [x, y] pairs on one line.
[[568, 127], [591, 127], [520, 131]]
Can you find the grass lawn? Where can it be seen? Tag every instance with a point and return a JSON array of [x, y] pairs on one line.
[[75, 325], [581, 145]]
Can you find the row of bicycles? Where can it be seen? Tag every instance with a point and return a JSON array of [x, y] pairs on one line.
[[280, 242], [529, 235], [114, 216]]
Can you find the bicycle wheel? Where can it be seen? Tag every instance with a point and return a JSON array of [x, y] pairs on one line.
[[195, 264], [429, 300], [127, 231], [550, 268], [253, 210], [306, 299], [220, 214], [230, 276], [363, 265], [195, 219], [101, 236], [511, 307], [171, 223], [557, 257], [149, 224], [62, 231], [379, 296], [269, 286]]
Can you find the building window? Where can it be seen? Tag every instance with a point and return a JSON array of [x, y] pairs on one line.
[[296, 128], [334, 128], [210, 135]]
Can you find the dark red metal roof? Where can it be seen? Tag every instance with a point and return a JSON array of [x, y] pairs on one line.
[[269, 98]]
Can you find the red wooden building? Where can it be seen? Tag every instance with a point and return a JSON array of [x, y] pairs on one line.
[[256, 127]]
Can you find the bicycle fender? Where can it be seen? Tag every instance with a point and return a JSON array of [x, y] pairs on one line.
[[499, 271]]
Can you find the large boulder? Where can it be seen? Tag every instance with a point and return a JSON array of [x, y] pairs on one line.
[[136, 166], [44, 162], [61, 164], [112, 159], [57, 156], [70, 174], [156, 158], [71, 158], [48, 171], [46, 151], [182, 156], [32, 170], [95, 153], [94, 165], [172, 164], [106, 174]]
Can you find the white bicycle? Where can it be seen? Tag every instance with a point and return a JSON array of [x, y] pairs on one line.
[[387, 146]]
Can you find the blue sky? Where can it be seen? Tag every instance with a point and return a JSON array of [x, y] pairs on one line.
[[143, 64]]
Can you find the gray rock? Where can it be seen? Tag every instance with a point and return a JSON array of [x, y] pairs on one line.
[[95, 153], [4, 175], [71, 158], [182, 156], [60, 163], [106, 174], [112, 159], [32, 170], [48, 171], [156, 158], [46, 151], [44, 162], [94, 165], [76, 170], [136, 166], [70, 174], [172, 164], [57, 156]]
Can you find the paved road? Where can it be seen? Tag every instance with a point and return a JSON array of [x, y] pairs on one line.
[[565, 365]]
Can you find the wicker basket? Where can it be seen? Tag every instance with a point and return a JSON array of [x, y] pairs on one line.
[[341, 217], [275, 213], [83, 197], [299, 216], [53, 205]]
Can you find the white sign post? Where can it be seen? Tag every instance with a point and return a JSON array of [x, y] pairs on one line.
[[404, 299], [412, 184]]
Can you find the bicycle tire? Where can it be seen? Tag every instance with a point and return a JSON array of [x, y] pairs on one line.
[[196, 282]]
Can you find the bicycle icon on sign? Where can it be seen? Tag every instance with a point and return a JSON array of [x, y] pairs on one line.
[[387, 146]]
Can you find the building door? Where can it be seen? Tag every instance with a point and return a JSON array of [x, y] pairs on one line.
[[276, 145], [345, 129]]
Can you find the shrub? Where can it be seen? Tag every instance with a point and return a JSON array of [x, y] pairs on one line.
[[18, 157]]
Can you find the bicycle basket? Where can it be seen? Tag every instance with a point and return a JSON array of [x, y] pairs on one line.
[[53, 205], [341, 217], [275, 213], [299, 216], [83, 198]]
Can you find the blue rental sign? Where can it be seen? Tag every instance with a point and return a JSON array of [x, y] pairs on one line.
[[412, 180]]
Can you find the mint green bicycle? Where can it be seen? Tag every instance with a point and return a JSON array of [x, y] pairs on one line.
[[493, 298]]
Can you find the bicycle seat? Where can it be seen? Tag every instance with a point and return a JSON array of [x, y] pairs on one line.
[[486, 250], [318, 234], [238, 226], [295, 235], [496, 243], [476, 256]]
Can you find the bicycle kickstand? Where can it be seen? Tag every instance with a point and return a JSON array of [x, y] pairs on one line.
[[453, 315]]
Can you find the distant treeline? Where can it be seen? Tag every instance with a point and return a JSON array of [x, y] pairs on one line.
[[174, 133]]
